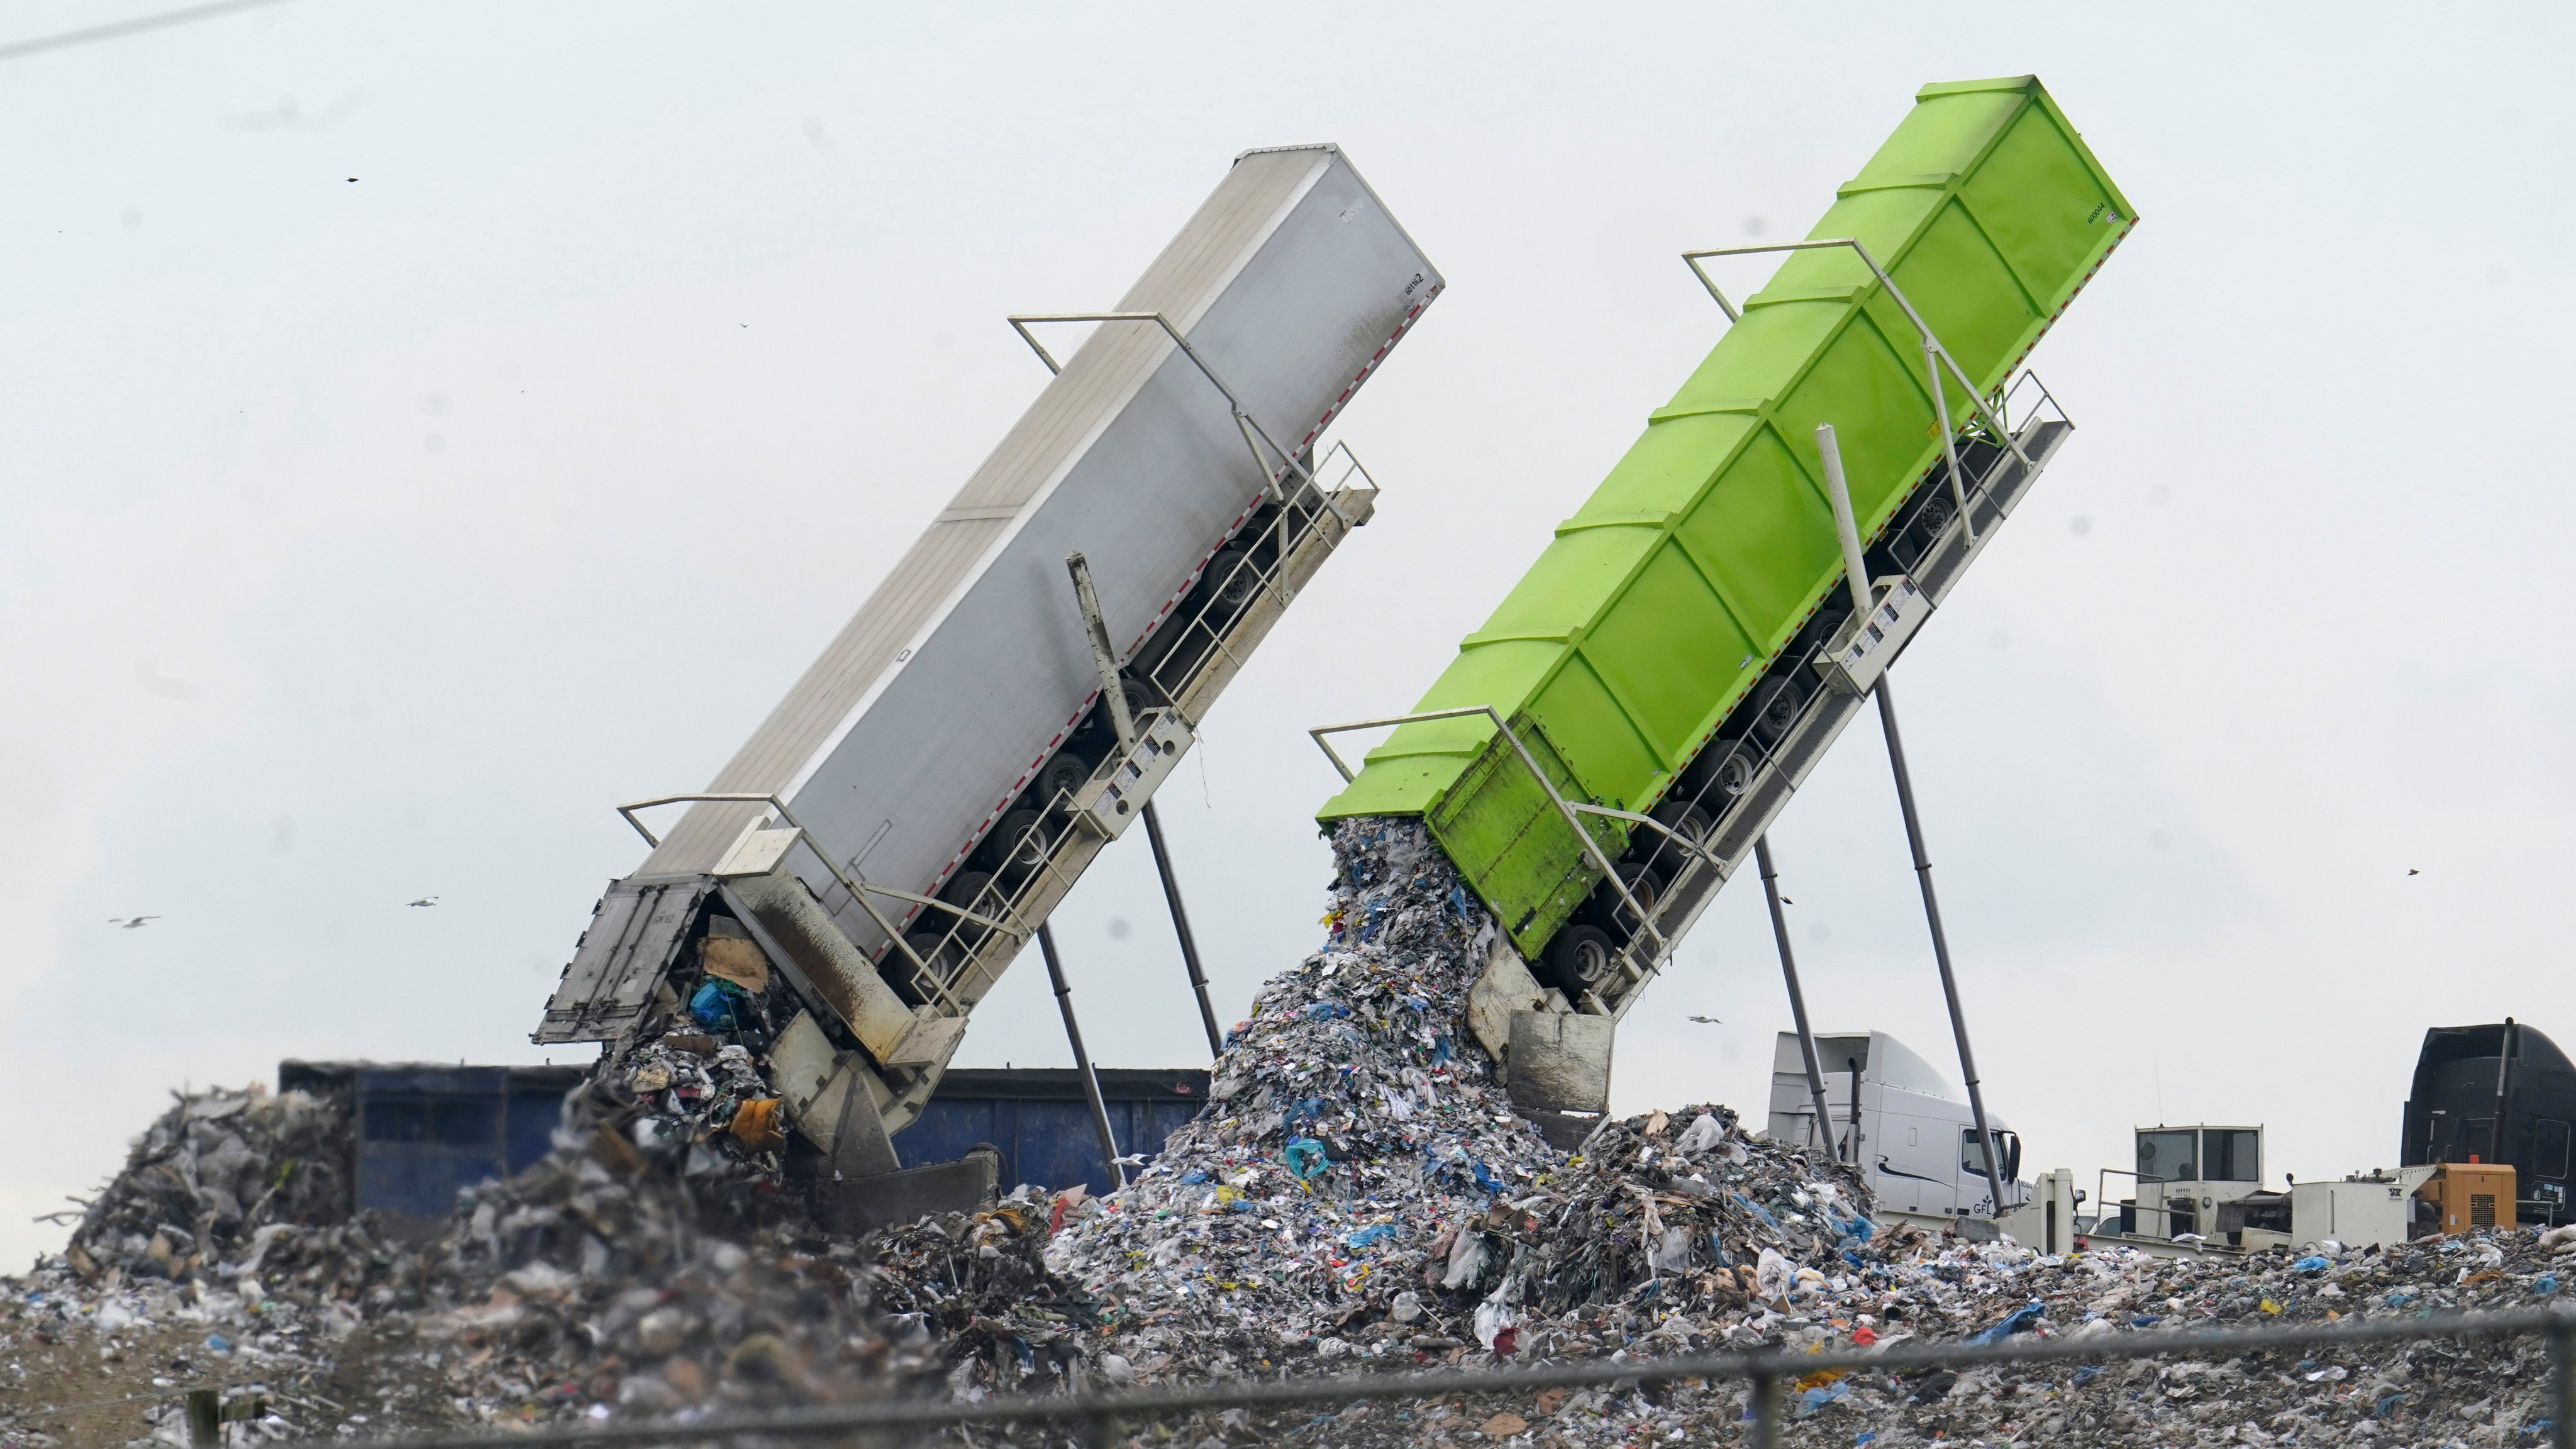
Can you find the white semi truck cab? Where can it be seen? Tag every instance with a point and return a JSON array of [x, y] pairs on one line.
[[1896, 1116]]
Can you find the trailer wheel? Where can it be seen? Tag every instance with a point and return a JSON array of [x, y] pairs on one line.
[[1018, 844], [1687, 820], [962, 891], [1775, 709], [1062, 776], [1139, 695], [1580, 958], [1730, 775], [940, 953], [1231, 579], [1646, 884]]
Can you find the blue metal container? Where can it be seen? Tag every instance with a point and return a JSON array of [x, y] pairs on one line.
[[425, 1131], [1038, 1118]]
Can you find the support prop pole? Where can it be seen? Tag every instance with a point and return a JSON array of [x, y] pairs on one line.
[[1081, 1057], [1181, 928], [1113, 695], [1838, 493], [1797, 998], [1104, 655]]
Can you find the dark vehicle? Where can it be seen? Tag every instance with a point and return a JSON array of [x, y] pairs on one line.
[[2499, 1093]]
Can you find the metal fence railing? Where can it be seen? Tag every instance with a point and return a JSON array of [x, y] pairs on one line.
[[1102, 1419]]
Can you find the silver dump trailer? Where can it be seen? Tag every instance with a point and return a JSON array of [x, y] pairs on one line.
[[894, 833]]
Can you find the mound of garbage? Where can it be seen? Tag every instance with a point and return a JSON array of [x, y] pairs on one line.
[[1359, 1195], [644, 1267], [1360, 1188], [1910, 1286], [219, 1178]]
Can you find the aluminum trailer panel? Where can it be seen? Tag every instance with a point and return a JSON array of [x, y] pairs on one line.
[[968, 670], [1698, 568]]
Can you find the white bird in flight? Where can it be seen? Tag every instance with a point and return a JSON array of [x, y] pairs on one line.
[[426, 901], [130, 922], [1705, 1020]]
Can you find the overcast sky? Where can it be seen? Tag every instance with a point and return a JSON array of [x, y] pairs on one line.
[[425, 426]]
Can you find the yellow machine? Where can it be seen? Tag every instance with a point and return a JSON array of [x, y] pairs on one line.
[[2461, 1196]]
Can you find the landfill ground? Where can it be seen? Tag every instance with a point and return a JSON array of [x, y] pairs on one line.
[[1358, 1196]]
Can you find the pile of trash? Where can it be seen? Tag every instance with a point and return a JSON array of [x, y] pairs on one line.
[[1359, 1194], [1360, 1189], [648, 1266], [219, 1177], [1910, 1286]]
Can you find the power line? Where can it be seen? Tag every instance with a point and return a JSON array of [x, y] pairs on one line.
[[118, 30]]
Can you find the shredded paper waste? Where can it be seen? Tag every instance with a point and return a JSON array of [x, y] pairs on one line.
[[1358, 1196]]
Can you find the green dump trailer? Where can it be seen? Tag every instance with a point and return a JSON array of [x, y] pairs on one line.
[[1683, 649]]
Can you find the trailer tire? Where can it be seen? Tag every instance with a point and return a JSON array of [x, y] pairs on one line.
[[1062, 776], [1018, 845], [940, 953], [1775, 709], [1643, 882], [961, 892], [1231, 581], [1139, 695], [1579, 958], [1685, 819], [1726, 774]]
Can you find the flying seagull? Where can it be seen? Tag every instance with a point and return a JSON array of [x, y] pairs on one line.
[[1705, 1020], [130, 922], [426, 901], [2412, 871]]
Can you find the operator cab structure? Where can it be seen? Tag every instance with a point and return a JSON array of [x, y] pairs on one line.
[[2201, 1183]]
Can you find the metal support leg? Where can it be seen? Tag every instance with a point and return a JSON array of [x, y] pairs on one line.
[[1797, 998], [1081, 1057], [1104, 656], [1847, 531], [1940, 941], [1181, 928]]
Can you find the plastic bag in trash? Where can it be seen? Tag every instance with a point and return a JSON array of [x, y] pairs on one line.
[[1305, 1157], [1772, 1275], [2018, 1321], [1702, 1134]]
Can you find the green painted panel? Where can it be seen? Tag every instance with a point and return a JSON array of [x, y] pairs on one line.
[[1767, 533], [1609, 755], [1673, 617], [1665, 596], [1520, 846], [1557, 598], [1642, 487], [2046, 254]]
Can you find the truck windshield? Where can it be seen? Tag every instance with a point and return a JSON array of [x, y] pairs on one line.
[[2167, 1155]]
